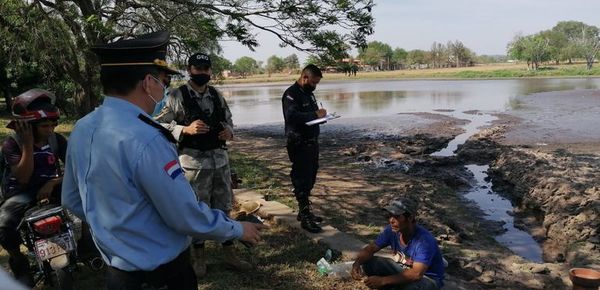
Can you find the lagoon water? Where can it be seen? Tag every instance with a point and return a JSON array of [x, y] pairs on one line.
[[261, 103]]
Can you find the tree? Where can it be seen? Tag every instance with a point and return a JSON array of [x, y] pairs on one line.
[[458, 53], [275, 64], [399, 58], [438, 54], [220, 64], [588, 41], [532, 48], [246, 65], [313, 59], [318, 26], [23, 64], [538, 48], [319, 60], [416, 57], [377, 54], [516, 48], [291, 62], [557, 42], [580, 40]]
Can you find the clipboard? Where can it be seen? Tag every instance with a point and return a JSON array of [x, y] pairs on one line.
[[323, 120]]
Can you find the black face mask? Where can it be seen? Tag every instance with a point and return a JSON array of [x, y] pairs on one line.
[[200, 79], [308, 88]]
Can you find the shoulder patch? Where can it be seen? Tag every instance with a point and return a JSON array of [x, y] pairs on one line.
[[173, 169], [289, 98]]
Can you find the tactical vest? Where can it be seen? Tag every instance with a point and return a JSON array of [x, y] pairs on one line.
[[193, 112]]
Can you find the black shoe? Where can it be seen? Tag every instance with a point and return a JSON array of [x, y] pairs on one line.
[[309, 225], [313, 217]]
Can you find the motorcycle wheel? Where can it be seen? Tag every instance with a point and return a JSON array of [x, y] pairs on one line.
[[64, 279]]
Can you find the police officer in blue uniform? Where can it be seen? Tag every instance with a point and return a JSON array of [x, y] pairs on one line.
[[123, 176], [299, 107]]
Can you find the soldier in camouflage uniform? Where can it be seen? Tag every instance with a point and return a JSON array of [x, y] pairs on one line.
[[199, 118]]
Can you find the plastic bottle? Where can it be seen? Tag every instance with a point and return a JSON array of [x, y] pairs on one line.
[[323, 267]]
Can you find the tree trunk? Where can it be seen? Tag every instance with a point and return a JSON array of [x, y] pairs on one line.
[[85, 102], [590, 62]]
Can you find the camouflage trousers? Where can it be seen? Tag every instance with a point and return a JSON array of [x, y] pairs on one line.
[[210, 177]]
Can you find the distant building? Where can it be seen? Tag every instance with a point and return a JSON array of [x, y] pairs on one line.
[[231, 74]]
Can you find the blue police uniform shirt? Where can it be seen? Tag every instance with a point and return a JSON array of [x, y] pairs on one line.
[[123, 177], [421, 248]]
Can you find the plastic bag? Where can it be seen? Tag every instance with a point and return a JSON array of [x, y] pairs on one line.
[[323, 267], [341, 270]]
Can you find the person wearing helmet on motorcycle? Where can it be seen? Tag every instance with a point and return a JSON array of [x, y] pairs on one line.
[[32, 169]]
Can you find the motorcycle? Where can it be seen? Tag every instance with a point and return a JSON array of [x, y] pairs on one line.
[[50, 233]]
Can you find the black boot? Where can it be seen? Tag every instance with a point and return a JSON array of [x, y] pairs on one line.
[[304, 202], [309, 225], [312, 216], [306, 221]]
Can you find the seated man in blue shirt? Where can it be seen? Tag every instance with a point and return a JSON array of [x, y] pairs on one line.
[[417, 262]]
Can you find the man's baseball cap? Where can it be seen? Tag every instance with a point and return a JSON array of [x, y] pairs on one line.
[[199, 60], [401, 206]]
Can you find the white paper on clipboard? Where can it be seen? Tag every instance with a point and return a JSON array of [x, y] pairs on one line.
[[323, 120]]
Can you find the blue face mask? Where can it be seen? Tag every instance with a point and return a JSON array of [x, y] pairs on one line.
[[160, 104], [163, 87]]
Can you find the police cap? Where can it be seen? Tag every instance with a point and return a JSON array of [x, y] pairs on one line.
[[144, 50], [200, 60]]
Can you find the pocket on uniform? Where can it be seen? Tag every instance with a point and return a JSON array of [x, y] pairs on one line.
[[190, 159]]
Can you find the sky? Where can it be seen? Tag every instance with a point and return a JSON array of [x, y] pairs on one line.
[[484, 26]]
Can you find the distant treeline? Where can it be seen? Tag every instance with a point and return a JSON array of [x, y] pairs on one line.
[[566, 41]]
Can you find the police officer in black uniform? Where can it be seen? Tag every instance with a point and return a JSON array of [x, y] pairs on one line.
[[299, 107]]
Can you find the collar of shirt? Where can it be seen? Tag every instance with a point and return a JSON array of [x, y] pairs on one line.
[[196, 94], [123, 105], [310, 95]]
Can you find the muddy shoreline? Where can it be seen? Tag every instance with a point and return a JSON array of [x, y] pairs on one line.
[[553, 186]]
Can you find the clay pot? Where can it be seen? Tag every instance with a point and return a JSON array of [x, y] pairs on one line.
[[584, 279]]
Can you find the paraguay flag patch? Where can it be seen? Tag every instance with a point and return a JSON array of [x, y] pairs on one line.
[[173, 169]]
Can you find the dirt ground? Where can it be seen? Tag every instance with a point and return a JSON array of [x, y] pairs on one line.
[[554, 187]]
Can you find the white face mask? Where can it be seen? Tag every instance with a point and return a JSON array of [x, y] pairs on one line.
[[163, 94]]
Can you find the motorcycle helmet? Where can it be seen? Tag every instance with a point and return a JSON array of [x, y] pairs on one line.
[[33, 106]]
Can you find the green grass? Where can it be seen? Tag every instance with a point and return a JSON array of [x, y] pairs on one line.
[[523, 73], [284, 260], [491, 71], [256, 175]]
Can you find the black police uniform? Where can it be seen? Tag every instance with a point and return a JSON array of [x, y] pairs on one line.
[[300, 107]]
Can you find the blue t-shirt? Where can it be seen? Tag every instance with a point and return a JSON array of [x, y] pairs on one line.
[[421, 248]]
